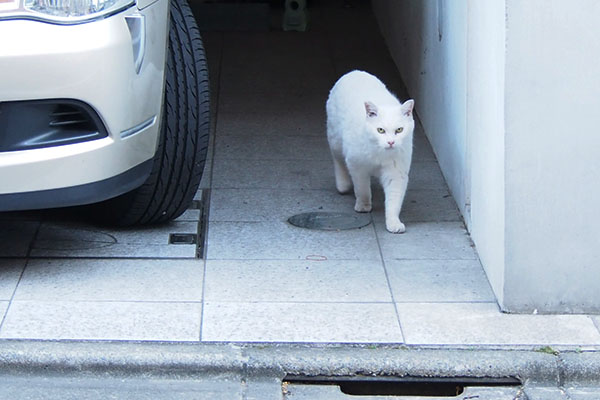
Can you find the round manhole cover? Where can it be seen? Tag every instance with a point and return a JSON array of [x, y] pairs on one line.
[[330, 221]]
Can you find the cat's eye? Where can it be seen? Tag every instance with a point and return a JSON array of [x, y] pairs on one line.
[[399, 130], [380, 130]]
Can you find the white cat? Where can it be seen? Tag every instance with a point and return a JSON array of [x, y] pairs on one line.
[[370, 134]]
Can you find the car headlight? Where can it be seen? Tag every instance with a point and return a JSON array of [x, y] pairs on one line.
[[64, 11]]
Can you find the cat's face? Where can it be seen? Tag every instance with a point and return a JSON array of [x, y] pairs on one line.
[[389, 126]]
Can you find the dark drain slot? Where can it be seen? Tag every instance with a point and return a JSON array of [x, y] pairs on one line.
[[405, 386], [204, 206], [429, 389], [183, 238]]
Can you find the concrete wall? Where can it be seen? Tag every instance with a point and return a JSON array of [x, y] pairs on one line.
[[428, 39], [485, 122], [508, 93], [442, 49], [552, 156]]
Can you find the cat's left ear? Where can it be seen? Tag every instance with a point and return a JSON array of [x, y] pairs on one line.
[[407, 107]]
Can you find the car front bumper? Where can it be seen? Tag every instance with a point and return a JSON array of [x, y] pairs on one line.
[[100, 64]]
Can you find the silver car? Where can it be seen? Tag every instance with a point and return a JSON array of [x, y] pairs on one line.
[[102, 101]]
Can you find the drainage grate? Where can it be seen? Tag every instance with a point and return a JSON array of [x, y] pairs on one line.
[[401, 386], [183, 238], [330, 221]]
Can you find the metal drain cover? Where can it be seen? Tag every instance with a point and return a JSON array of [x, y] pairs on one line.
[[182, 238], [330, 221]]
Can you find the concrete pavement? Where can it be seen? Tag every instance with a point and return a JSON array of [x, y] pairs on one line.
[[124, 313], [90, 370]]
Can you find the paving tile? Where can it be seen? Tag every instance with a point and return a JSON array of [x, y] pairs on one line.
[[281, 241], [16, 237], [241, 48], [483, 323], [299, 174], [10, 273], [359, 17], [189, 215], [295, 123], [300, 322], [213, 48], [303, 106], [79, 240], [270, 137], [272, 174], [112, 280], [422, 150], [366, 51], [34, 216], [420, 206], [277, 74], [366, 37], [272, 147], [426, 175], [438, 281], [296, 281], [283, 127], [3, 307], [102, 321], [255, 82], [205, 182], [380, 66], [427, 240], [256, 205]]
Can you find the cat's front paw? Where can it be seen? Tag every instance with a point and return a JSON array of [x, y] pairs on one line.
[[395, 226], [362, 207]]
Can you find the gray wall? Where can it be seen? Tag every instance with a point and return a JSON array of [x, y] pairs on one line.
[[486, 147], [552, 155], [428, 44], [508, 93]]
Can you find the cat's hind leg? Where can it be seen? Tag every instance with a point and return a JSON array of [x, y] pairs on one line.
[[343, 182], [362, 189]]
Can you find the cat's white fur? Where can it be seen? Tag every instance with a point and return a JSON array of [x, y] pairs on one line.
[[370, 133]]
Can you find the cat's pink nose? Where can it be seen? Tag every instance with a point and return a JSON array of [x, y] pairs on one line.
[[391, 143]]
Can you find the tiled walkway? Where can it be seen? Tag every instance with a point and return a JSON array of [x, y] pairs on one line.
[[263, 279], [269, 281]]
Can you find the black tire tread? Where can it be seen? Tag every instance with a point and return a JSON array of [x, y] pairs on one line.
[[181, 152]]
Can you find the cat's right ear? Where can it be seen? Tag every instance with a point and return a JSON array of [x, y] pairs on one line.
[[371, 109]]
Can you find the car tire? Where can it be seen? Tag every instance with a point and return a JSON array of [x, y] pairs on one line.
[[184, 133]]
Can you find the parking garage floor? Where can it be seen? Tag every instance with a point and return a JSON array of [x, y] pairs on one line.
[[257, 278]]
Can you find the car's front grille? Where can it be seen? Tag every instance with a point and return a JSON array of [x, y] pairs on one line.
[[35, 124]]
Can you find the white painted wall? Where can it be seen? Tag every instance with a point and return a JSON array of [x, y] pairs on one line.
[[510, 99], [451, 56], [485, 122], [428, 41], [552, 147]]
